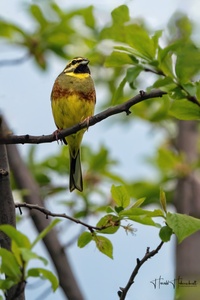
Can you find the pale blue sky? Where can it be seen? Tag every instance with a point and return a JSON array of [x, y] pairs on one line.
[[24, 99]]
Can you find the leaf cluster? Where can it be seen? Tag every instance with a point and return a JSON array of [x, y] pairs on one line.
[[126, 211], [53, 30], [175, 67], [14, 263]]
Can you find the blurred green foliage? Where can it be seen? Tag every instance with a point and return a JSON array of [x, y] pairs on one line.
[[123, 52], [15, 263]]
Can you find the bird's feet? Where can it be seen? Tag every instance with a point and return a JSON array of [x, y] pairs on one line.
[[87, 120], [55, 134]]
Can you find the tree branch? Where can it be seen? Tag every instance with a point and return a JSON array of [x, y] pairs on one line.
[[123, 291], [49, 213], [7, 215], [14, 61], [157, 72], [189, 97], [8, 138]]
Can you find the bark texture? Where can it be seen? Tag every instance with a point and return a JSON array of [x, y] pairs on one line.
[[187, 201], [7, 214]]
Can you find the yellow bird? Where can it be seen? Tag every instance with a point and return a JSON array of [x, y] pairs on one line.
[[73, 100]]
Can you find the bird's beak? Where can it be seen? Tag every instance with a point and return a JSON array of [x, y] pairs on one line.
[[85, 62]]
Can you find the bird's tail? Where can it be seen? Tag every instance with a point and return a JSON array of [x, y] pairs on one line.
[[75, 180]]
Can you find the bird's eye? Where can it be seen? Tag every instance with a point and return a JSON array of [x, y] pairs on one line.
[[73, 62]]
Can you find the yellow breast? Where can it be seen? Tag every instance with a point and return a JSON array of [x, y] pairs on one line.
[[73, 100], [70, 110]]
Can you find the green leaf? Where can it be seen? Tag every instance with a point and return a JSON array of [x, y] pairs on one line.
[[138, 203], [120, 15], [45, 232], [170, 49], [118, 94], [178, 93], [187, 62], [118, 209], [165, 62], [86, 13], [137, 37], [38, 15], [185, 110], [190, 88], [168, 160], [9, 265], [16, 250], [109, 209], [163, 200], [144, 220], [28, 255], [156, 37], [142, 216], [181, 26], [134, 35], [116, 31], [132, 74], [6, 284], [20, 239], [99, 160], [137, 211], [182, 225], [140, 188], [44, 274], [165, 233], [165, 84], [84, 239], [160, 111], [198, 90], [9, 30], [104, 245], [110, 221], [120, 59], [120, 196]]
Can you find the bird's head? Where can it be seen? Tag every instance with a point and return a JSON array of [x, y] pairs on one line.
[[77, 65]]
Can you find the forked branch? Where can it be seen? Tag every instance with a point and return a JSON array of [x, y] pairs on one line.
[[123, 291]]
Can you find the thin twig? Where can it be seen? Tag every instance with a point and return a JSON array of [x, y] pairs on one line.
[[14, 61], [157, 72], [189, 97], [124, 107], [123, 291], [49, 213]]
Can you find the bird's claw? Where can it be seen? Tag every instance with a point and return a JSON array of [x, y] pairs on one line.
[[55, 134], [87, 120]]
